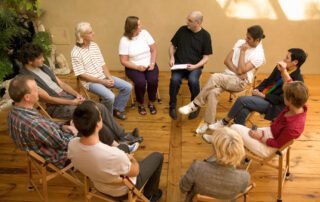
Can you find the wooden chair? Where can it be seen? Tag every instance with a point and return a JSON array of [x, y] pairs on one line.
[[46, 172], [133, 97], [203, 198], [283, 170], [134, 193], [247, 91], [42, 109]]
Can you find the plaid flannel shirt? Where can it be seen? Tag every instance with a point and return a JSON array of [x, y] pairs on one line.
[[33, 132]]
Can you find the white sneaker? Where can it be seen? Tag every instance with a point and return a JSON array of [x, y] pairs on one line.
[[207, 138], [134, 147], [202, 129], [187, 109], [216, 125]]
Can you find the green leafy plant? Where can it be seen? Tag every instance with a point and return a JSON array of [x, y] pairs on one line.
[[44, 40]]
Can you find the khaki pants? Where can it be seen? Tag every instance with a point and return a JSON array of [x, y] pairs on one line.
[[215, 85]]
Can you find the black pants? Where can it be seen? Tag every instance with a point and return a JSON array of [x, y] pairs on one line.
[[150, 170]]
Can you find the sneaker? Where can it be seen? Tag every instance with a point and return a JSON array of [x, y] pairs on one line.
[[173, 113], [134, 147], [194, 114], [216, 125], [156, 197], [130, 139], [207, 138], [187, 109], [202, 129]]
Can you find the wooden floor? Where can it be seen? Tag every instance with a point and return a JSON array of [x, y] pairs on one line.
[[180, 146]]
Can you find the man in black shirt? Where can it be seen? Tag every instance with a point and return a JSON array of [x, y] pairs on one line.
[[191, 45]]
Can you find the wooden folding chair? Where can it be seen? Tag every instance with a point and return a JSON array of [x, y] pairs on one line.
[[134, 193], [81, 89], [133, 97], [46, 172], [283, 171], [42, 109], [203, 198], [247, 91]]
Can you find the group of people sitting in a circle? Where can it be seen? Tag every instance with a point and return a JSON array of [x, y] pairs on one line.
[[101, 149]]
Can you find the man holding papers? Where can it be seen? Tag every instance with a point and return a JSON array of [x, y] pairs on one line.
[[189, 51]]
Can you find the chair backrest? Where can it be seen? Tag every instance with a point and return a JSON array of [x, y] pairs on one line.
[[82, 89], [203, 198], [42, 109], [134, 193]]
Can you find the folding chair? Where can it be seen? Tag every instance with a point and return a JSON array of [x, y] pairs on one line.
[[42, 109], [283, 171], [247, 91], [133, 97], [134, 193], [42, 167], [82, 89], [203, 198]]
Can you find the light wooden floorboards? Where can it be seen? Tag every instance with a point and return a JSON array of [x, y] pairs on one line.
[[180, 146]]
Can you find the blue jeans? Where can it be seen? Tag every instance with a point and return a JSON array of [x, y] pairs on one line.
[[108, 98], [246, 104], [176, 80]]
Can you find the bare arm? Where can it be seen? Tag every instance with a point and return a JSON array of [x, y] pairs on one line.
[[228, 62], [202, 62], [56, 100], [242, 66], [68, 88], [134, 168], [172, 50], [124, 59], [153, 51]]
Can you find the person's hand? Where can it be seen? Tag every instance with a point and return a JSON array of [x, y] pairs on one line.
[[191, 67], [109, 82], [255, 134], [243, 76], [282, 66], [80, 97], [151, 67], [171, 62], [141, 68], [76, 101], [244, 47], [70, 129], [256, 92]]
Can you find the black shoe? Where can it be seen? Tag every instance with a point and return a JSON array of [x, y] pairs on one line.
[[131, 139], [194, 114], [119, 115], [173, 113], [135, 132], [156, 197]]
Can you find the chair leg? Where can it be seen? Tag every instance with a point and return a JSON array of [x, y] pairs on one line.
[[280, 177], [230, 97], [288, 162], [29, 172], [44, 183], [158, 96]]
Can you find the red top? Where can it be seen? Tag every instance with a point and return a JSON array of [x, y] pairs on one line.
[[286, 128]]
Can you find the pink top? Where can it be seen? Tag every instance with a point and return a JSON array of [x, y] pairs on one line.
[[286, 128]]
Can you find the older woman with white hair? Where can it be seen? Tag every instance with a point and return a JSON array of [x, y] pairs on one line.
[[89, 65], [218, 176]]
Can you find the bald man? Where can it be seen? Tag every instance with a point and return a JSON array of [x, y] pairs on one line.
[[191, 45]]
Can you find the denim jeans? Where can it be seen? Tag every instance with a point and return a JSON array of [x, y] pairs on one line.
[[111, 101], [246, 104], [176, 80]]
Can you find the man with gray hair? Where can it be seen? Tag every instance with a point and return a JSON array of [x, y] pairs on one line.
[[191, 47]]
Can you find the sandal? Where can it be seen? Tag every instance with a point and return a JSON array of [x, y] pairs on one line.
[[142, 110], [152, 109], [119, 115]]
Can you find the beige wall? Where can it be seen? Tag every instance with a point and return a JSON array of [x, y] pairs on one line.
[[162, 18]]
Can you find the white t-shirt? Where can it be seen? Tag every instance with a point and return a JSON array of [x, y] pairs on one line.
[[138, 49], [102, 164], [253, 55], [89, 61]]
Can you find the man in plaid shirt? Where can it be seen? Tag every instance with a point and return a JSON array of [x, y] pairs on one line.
[[33, 132]]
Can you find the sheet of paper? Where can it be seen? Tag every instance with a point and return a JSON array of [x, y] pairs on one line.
[[180, 66]]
